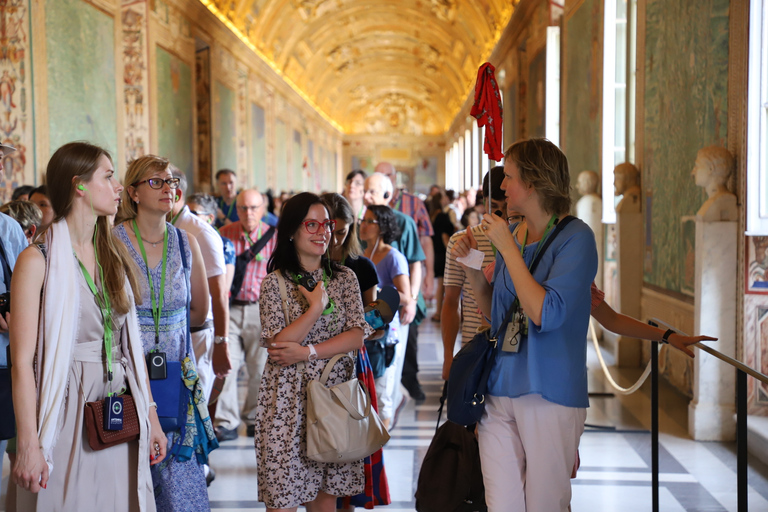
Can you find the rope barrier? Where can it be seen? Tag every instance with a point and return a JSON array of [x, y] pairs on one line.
[[622, 391]]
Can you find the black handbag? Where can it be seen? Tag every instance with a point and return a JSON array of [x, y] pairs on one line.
[[471, 367], [451, 478], [170, 393]]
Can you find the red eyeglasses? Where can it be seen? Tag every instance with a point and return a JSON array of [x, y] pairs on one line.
[[313, 226]]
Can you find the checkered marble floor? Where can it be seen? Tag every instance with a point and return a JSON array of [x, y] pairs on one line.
[[615, 450]]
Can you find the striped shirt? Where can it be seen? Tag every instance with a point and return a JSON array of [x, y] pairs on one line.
[[456, 276], [413, 207], [256, 270]]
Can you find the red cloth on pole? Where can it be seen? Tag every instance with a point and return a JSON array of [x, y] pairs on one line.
[[488, 111]]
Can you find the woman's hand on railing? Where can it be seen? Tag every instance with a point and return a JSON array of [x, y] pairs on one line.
[[682, 343]]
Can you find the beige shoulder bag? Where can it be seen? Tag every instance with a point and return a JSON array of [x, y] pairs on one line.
[[341, 424]]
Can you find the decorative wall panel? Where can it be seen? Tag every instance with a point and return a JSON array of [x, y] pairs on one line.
[[175, 108], [16, 124], [224, 127], [135, 77], [686, 83]]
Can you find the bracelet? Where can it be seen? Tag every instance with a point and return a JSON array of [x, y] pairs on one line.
[[312, 353], [665, 338], [152, 404]]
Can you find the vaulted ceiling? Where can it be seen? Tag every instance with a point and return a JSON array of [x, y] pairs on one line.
[[375, 66]]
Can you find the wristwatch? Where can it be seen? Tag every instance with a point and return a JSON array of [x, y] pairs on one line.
[[218, 340], [665, 337], [312, 353]]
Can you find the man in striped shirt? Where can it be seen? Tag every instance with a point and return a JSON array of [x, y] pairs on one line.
[[459, 297]]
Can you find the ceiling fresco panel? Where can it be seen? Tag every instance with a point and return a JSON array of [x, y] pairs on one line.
[[375, 66]]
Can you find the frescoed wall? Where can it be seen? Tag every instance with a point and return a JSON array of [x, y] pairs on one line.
[[686, 86], [258, 147], [135, 78], [224, 128], [582, 67], [281, 157], [82, 95], [204, 114], [175, 109], [16, 97], [536, 96], [298, 160]]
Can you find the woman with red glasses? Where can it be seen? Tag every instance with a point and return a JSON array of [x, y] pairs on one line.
[[323, 320]]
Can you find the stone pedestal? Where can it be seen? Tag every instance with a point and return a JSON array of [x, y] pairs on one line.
[[629, 259], [711, 412], [590, 209]]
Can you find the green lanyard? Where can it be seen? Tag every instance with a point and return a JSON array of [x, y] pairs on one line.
[[538, 245], [231, 205], [175, 218], [102, 299], [157, 309], [258, 257]]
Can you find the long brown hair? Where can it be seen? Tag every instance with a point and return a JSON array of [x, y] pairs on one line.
[[80, 160]]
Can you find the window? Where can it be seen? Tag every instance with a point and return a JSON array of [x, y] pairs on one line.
[[619, 54], [467, 160], [552, 93], [757, 121], [477, 154]]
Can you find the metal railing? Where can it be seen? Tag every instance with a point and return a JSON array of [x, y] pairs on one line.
[[742, 371]]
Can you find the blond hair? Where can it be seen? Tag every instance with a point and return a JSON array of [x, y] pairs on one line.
[[543, 166], [138, 170]]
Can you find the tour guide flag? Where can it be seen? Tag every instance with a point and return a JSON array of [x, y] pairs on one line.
[[488, 111]]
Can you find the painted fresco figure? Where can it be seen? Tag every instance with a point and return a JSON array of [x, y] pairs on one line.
[[626, 183], [714, 171]]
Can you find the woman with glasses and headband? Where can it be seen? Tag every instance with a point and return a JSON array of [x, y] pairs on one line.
[[323, 322], [379, 229], [75, 339], [537, 397], [165, 285]]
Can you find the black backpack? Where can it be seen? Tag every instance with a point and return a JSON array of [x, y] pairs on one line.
[[450, 479]]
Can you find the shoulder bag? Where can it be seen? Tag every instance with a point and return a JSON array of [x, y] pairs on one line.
[[341, 424], [471, 367], [242, 261], [7, 416], [170, 393]]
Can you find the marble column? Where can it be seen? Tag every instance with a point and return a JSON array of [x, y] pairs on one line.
[[629, 260], [711, 412]]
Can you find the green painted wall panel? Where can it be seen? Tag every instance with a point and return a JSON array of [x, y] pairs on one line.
[[175, 108], [281, 156], [583, 94], [225, 128], [258, 147], [686, 107], [297, 160], [82, 97]]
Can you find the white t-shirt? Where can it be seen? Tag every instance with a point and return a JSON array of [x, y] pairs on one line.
[[210, 244]]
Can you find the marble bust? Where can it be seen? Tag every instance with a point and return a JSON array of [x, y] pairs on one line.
[[590, 206], [713, 170], [626, 183]]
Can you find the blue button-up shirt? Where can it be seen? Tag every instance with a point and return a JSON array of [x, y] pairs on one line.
[[552, 359], [13, 240]]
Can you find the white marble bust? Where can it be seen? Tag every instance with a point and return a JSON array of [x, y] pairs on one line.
[[590, 207], [626, 183], [712, 171]]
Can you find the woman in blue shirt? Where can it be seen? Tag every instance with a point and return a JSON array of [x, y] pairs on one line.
[[537, 398]]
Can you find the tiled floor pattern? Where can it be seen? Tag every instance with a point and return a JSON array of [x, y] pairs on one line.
[[615, 453]]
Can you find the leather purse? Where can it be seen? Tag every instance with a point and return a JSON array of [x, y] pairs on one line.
[[100, 439], [341, 424]]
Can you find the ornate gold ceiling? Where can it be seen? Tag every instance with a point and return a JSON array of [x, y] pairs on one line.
[[375, 66]]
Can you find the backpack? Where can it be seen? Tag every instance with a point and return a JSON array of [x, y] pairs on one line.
[[450, 479]]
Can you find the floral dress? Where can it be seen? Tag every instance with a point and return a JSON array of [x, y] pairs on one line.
[[286, 476], [179, 485]]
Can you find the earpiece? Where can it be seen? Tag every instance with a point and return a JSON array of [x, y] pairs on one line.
[[386, 195], [81, 187]]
